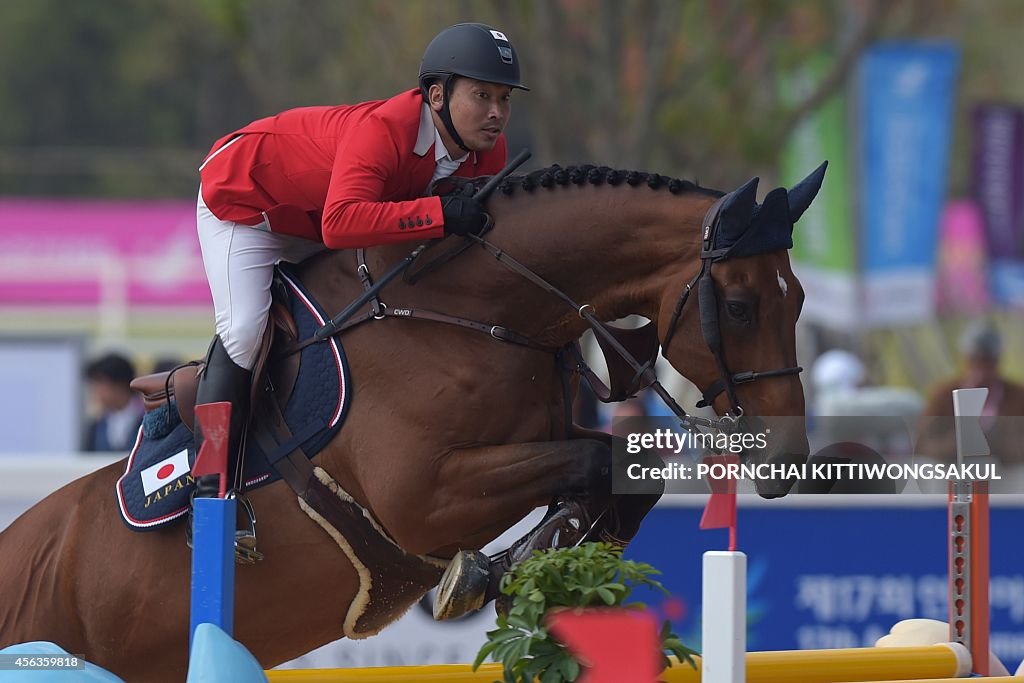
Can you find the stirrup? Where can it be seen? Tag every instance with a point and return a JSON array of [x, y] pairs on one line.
[[245, 539]]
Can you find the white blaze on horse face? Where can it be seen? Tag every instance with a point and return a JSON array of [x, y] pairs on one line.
[[782, 283]]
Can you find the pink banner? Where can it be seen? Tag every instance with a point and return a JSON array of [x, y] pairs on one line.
[[84, 253], [963, 261]]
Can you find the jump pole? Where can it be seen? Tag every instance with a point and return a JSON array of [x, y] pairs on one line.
[[791, 666], [969, 537], [724, 617], [723, 591], [213, 529]]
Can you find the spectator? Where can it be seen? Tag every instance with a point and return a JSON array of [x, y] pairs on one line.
[[120, 410], [846, 408], [836, 372], [981, 347]]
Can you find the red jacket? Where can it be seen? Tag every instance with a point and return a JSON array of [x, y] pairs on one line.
[[344, 175]]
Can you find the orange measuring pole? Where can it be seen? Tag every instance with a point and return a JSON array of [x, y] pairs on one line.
[[969, 537]]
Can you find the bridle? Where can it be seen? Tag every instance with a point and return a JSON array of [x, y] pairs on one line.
[[710, 327], [644, 376]]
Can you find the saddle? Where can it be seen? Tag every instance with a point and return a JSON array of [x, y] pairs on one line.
[[298, 404]]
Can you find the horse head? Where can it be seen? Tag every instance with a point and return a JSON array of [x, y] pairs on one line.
[[738, 343]]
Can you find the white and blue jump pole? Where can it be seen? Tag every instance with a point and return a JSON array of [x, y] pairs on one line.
[[724, 592]]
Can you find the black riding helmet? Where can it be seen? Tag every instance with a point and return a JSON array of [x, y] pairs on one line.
[[472, 51]]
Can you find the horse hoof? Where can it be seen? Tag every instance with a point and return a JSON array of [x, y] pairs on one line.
[[463, 586]]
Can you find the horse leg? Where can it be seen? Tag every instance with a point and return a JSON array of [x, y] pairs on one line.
[[616, 524], [621, 522], [472, 579], [475, 494]]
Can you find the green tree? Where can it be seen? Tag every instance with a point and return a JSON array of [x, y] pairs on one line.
[[120, 97]]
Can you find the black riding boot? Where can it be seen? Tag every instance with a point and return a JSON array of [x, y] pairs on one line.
[[223, 380]]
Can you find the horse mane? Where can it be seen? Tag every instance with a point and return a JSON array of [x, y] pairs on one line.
[[587, 174]]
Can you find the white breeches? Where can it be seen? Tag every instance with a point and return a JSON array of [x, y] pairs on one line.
[[239, 261]]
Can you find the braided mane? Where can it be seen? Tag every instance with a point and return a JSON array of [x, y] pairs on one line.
[[586, 174]]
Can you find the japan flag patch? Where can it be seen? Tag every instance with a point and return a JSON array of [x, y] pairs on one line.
[[164, 472]]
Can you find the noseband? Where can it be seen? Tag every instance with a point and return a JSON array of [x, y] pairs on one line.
[[710, 328]]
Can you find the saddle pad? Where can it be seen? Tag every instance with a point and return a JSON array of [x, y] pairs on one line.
[[156, 486]]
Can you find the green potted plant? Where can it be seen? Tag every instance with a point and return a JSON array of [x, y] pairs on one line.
[[592, 575]]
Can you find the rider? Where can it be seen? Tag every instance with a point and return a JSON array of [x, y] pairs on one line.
[[288, 186]]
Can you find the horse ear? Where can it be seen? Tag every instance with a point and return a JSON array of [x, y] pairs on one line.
[[737, 210], [775, 209], [803, 193]]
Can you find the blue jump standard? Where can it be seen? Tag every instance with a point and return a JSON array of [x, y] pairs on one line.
[[213, 565]]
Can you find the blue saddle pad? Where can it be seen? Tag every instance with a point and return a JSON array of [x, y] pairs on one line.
[[157, 484]]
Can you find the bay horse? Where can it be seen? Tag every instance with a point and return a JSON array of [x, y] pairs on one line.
[[451, 437]]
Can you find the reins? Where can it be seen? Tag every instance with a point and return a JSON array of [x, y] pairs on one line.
[[608, 337]]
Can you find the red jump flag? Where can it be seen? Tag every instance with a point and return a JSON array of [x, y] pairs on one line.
[[612, 645], [214, 421], [720, 511]]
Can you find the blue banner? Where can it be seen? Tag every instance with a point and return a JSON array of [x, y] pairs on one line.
[[826, 577], [906, 102]]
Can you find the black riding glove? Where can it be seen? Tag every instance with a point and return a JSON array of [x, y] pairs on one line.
[[462, 215]]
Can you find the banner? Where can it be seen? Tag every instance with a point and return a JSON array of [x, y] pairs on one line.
[[998, 175], [92, 253], [906, 93], [824, 245], [832, 576], [962, 283]]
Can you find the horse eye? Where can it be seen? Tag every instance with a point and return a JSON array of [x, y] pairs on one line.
[[738, 311]]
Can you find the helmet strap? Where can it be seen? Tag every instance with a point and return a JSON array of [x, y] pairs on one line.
[[446, 115]]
